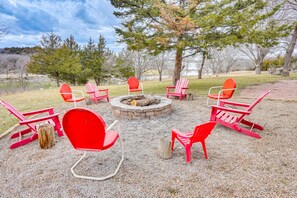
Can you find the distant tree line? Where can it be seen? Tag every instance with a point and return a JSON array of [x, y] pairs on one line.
[[67, 61], [19, 50]]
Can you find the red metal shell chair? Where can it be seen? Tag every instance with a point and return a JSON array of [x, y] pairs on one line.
[[87, 131], [225, 92], [187, 139], [70, 95], [52, 118], [96, 94], [179, 90], [134, 85], [232, 118]]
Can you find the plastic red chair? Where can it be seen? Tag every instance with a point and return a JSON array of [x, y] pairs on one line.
[[225, 92], [134, 85], [52, 118], [69, 95], [96, 94], [232, 118], [87, 131], [187, 139], [179, 89]]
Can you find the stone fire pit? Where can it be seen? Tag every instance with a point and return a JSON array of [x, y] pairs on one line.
[[147, 106]]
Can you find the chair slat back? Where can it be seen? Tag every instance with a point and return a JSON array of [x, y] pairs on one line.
[[90, 88], [97, 93], [202, 131], [84, 128], [16, 113], [229, 84], [250, 108], [181, 83], [133, 83], [65, 89]]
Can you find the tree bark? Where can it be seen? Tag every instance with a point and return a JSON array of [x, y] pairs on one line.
[[202, 65], [178, 65], [289, 53]]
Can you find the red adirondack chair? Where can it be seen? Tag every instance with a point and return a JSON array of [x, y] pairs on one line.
[[232, 118], [179, 89], [87, 131], [96, 94], [70, 95], [134, 85], [52, 118], [225, 92], [199, 134]]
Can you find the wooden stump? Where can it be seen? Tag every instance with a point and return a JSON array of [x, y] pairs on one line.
[[165, 150], [46, 135]]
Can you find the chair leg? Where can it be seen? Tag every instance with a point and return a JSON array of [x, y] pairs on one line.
[[188, 153], [20, 133], [98, 178], [172, 140], [204, 149], [24, 141], [257, 126]]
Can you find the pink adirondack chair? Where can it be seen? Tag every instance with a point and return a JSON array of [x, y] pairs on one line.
[[87, 131], [96, 94], [232, 118], [70, 95], [199, 134], [52, 118], [134, 85], [179, 90]]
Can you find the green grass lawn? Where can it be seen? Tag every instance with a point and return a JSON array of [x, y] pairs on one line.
[[32, 100]]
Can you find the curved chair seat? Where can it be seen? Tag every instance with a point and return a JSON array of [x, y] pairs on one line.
[[216, 96], [87, 131]]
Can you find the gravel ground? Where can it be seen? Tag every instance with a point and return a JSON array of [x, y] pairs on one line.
[[238, 165]]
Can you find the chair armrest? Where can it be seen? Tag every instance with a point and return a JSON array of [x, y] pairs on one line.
[[177, 132], [215, 87], [39, 119], [233, 103], [38, 111], [89, 92], [170, 87], [185, 87], [112, 125], [214, 107]]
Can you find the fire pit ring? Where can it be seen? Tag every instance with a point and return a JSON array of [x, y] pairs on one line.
[[130, 112]]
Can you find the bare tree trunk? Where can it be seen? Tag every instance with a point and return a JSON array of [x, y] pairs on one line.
[[289, 53], [178, 65], [202, 65]]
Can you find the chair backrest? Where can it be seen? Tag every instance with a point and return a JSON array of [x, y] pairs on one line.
[[265, 93], [65, 89], [202, 131], [250, 108], [181, 83], [16, 113], [133, 83], [84, 128], [229, 84]]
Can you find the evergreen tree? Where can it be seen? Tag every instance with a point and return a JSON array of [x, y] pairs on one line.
[[192, 25]]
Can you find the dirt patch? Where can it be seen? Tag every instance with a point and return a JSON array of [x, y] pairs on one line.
[[281, 90]]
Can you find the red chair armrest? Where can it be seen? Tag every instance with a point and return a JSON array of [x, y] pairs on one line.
[[230, 110], [234, 103], [38, 111], [39, 119], [89, 92], [185, 88], [169, 87]]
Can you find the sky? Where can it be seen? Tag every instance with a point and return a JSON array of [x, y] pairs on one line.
[[27, 20]]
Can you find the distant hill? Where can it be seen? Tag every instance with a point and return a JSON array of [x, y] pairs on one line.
[[19, 50]]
